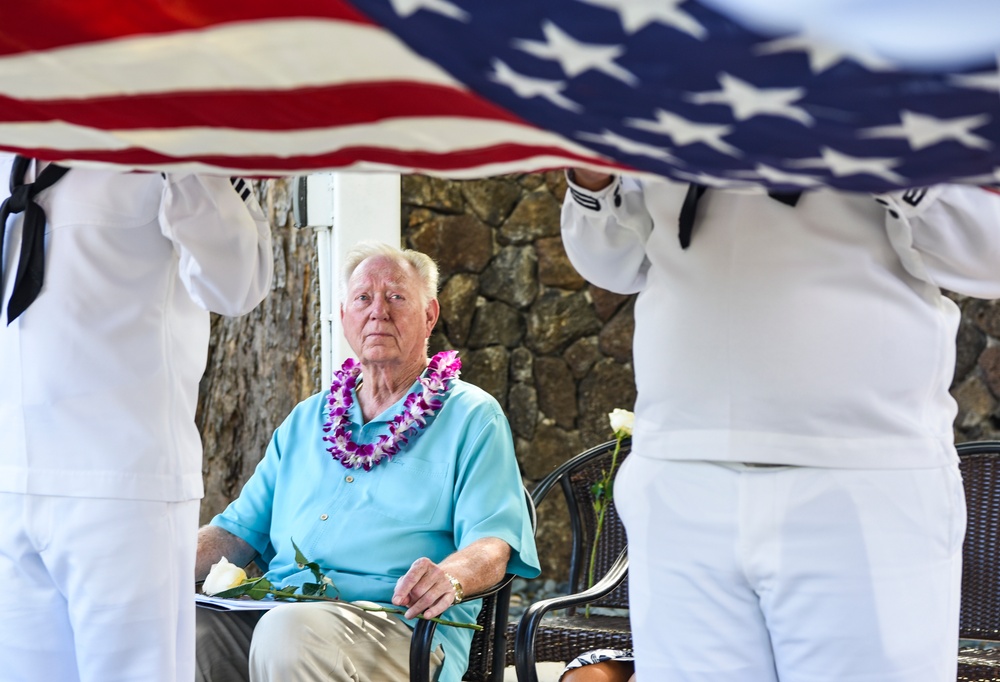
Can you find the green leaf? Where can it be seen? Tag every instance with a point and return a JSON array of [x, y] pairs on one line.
[[303, 562], [261, 588], [313, 589], [285, 593], [240, 590], [234, 592]]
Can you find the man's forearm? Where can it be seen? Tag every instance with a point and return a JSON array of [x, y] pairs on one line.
[[480, 565], [215, 543]]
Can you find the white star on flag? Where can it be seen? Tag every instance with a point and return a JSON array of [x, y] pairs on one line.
[[626, 145], [748, 101], [981, 81], [684, 132], [526, 86], [405, 8], [574, 56], [821, 55], [842, 165], [778, 177], [924, 131], [702, 178], [637, 14]]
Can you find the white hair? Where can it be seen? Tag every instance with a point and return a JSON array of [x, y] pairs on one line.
[[422, 264]]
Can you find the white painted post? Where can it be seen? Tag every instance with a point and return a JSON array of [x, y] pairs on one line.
[[352, 207], [318, 192]]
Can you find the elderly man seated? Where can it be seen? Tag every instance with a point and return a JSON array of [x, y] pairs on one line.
[[400, 482]]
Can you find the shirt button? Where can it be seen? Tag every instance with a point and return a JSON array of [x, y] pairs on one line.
[[349, 479], [323, 517]]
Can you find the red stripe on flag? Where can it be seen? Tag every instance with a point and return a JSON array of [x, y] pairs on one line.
[[272, 110], [71, 22]]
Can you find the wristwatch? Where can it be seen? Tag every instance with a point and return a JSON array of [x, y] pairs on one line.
[[457, 586]]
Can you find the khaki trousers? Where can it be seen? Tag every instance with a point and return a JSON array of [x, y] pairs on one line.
[[305, 642]]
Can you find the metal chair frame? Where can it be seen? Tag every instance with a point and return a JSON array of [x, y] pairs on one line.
[[574, 633]]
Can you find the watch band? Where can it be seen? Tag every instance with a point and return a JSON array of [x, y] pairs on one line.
[[457, 586]]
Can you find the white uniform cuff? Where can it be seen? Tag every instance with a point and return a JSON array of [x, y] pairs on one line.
[[595, 200], [909, 202]]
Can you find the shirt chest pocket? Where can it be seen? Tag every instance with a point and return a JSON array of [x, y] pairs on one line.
[[412, 491], [118, 200]]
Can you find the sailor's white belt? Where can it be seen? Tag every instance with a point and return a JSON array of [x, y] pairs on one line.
[[752, 465]]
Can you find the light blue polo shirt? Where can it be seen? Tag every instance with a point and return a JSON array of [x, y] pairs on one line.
[[456, 483]]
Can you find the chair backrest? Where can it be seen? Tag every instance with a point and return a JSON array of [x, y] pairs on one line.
[[576, 479], [980, 605]]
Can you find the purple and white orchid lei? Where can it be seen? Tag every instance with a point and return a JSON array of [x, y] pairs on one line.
[[406, 426]]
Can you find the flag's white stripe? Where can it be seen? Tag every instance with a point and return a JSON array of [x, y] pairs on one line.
[[526, 164], [261, 55], [59, 135], [434, 135]]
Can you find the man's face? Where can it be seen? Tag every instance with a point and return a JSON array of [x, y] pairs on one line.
[[384, 315]]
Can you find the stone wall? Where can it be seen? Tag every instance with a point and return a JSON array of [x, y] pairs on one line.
[[977, 373], [555, 351]]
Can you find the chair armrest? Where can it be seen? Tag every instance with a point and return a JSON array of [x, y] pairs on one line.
[[524, 643], [423, 632]]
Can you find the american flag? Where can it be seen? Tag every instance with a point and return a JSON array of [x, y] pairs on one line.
[[468, 88]]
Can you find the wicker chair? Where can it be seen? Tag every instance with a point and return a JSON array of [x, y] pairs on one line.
[[980, 601], [489, 645], [562, 637], [980, 606]]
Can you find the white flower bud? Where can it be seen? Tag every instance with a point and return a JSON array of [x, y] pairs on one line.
[[622, 422], [222, 577]]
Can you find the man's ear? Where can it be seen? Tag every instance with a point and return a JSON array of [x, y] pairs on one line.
[[433, 311]]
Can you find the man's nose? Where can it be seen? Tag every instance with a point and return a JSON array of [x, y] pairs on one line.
[[379, 308]]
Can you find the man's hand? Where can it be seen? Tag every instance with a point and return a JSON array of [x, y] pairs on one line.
[[589, 179], [424, 589]]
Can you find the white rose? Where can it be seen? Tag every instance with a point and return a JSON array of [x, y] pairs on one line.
[[622, 422], [222, 577]]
